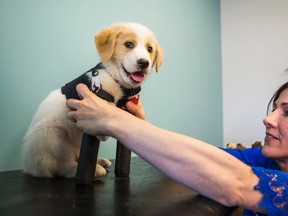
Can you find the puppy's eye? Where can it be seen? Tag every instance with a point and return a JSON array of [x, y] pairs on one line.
[[129, 45], [150, 49]]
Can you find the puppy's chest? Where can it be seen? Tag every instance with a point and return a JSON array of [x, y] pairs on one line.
[[102, 84]]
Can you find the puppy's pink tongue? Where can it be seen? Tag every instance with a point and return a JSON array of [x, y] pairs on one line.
[[137, 76]]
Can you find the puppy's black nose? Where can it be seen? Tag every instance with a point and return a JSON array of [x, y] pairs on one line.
[[143, 63]]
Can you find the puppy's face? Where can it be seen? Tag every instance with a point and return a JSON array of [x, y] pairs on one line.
[[132, 48]]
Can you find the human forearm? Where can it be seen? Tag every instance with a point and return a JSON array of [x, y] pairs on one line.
[[191, 162]]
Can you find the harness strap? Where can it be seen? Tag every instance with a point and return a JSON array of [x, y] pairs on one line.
[[128, 95], [103, 94], [91, 80]]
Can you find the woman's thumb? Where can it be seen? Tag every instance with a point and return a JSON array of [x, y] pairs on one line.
[[83, 91]]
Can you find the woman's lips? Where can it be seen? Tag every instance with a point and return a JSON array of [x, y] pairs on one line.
[[269, 136]]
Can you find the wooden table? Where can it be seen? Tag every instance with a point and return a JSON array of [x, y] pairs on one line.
[[146, 192]]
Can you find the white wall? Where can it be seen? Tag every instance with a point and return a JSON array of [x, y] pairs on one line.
[[254, 58]]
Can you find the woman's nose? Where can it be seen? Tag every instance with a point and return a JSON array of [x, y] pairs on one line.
[[271, 120]]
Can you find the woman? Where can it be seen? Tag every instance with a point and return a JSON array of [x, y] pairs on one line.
[[257, 184]]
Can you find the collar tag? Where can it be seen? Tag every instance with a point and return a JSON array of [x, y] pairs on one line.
[[135, 99]]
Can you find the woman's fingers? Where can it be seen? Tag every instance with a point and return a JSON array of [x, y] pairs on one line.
[[136, 110], [72, 104], [72, 116], [83, 91]]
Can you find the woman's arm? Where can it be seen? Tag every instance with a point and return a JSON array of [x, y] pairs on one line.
[[193, 163]]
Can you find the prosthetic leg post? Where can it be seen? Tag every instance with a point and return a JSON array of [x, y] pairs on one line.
[[87, 160], [122, 162], [123, 154]]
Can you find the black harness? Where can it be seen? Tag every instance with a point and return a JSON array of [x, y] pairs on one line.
[[69, 89]]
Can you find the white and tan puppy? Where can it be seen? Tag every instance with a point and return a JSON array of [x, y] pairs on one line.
[[52, 142]]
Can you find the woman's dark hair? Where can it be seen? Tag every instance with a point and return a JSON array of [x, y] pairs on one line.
[[276, 95]]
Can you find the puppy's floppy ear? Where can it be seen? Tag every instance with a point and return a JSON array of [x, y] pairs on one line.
[[158, 57], [105, 41]]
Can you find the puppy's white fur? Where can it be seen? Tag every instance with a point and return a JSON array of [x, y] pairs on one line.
[[52, 142]]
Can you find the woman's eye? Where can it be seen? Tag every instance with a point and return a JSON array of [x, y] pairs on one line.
[[129, 45], [285, 112]]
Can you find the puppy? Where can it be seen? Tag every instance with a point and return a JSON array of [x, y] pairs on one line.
[[128, 52]]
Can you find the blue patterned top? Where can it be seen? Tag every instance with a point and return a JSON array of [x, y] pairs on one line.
[[272, 183]]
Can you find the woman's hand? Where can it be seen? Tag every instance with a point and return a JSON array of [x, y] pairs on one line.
[[91, 114], [95, 116]]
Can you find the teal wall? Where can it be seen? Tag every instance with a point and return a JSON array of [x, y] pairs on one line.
[[44, 44]]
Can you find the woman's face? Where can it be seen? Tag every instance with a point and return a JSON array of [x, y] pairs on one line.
[[276, 139]]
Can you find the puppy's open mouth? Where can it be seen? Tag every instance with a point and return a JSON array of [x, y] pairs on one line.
[[137, 76]]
